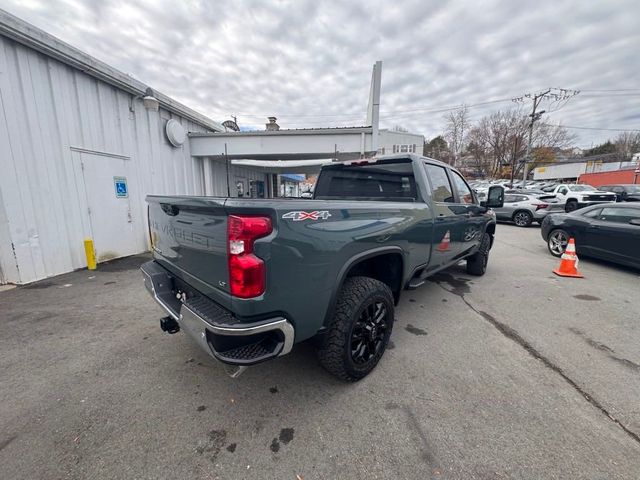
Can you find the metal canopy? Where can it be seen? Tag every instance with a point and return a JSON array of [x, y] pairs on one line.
[[283, 166], [321, 143]]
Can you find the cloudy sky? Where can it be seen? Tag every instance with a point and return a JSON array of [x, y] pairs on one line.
[[309, 62]]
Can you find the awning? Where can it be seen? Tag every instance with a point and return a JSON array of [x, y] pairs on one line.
[[284, 166]]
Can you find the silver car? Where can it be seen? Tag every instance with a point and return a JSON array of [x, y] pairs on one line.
[[523, 209]]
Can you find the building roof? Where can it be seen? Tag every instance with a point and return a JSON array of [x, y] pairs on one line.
[[32, 37], [285, 131]]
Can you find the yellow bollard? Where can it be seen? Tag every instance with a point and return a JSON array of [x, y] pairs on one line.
[[91, 254]]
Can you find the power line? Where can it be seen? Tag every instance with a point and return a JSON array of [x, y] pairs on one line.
[[387, 112], [612, 90], [557, 95], [592, 128], [611, 95]]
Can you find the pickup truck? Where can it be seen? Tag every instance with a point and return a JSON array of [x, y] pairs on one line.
[[578, 196], [248, 278]]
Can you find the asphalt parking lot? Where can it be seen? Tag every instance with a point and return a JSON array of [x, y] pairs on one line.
[[518, 374]]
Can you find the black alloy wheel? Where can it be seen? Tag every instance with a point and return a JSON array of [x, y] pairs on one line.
[[369, 332]]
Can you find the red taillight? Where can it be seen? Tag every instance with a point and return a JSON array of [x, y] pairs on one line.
[[540, 206], [246, 271]]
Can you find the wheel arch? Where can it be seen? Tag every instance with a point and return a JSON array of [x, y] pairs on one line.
[[369, 264], [522, 210]]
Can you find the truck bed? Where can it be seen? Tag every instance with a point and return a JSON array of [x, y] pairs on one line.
[[305, 248]]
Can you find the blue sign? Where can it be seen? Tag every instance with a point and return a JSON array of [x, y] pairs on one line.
[[120, 184]]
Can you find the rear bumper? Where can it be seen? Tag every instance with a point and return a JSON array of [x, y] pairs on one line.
[[214, 328]]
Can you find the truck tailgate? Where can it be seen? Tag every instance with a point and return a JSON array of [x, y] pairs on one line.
[[188, 237]]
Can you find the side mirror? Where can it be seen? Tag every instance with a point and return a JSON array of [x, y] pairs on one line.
[[495, 197], [635, 221]]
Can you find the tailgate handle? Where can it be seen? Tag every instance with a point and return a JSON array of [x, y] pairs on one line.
[[169, 209]]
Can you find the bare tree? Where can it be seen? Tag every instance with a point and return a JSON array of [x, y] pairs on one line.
[[626, 145], [457, 127], [503, 136], [479, 151]]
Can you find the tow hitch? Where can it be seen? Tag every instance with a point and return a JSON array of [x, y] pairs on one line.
[[169, 325]]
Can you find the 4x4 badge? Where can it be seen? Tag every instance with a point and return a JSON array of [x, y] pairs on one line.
[[299, 215]]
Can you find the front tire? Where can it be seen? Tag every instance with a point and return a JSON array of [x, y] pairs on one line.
[[557, 242], [360, 329], [477, 263]]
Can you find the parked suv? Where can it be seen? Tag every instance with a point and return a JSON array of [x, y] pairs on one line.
[[524, 209]]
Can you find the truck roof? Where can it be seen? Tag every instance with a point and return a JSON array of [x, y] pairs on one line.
[[395, 156]]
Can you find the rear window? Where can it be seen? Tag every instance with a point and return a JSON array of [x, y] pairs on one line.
[[375, 181]]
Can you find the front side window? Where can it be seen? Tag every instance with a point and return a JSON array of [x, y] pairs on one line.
[[618, 215], [442, 191], [509, 199], [463, 189]]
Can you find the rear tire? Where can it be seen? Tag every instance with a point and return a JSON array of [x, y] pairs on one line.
[[522, 218], [477, 263], [360, 329], [571, 206]]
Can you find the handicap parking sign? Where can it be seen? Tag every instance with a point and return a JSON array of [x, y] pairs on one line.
[[120, 184]]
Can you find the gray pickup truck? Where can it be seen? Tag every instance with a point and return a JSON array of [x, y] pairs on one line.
[[248, 278]]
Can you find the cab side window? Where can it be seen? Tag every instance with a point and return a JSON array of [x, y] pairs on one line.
[[442, 191], [464, 192], [563, 190]]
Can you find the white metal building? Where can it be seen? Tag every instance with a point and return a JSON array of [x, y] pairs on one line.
[[395, 141], [79, 151]]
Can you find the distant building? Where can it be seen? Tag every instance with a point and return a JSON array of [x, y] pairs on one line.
[[572, 168], [394, 141]]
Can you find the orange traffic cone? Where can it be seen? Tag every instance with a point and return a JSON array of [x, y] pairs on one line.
[[569, 262], [443, 246]]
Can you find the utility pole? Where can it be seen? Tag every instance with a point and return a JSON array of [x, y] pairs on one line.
[[534, 116], [557, 94]]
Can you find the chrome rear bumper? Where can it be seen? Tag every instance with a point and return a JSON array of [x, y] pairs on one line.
[[215, 329]]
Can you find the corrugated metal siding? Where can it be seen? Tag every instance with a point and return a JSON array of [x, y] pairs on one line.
[[48, 109], [608, 178]]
